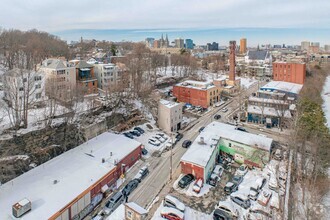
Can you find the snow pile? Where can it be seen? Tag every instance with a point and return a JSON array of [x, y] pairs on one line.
[[204, 190], [326, 100]]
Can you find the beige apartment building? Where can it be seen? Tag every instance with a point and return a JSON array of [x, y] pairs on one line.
[[169, 116]]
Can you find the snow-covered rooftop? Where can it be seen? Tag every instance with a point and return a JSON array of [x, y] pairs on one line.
[[268, 111], [199, 154], [74, 171], [136, 208], [265, 100], [169, 104], [196, 84], [283, 87]]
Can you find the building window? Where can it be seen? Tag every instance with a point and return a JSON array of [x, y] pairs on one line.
[[36, 78], [229, 144], [38, 86], [21, 89], [38, 95], [129, 214]]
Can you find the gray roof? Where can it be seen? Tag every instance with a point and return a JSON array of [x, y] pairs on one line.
[[54, 64], [258, 54], [83, 64]]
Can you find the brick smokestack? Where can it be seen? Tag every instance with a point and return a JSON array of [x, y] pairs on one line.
[[232, 48]]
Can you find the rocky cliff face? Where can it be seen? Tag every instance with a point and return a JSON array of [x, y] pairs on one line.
[[40, 146]]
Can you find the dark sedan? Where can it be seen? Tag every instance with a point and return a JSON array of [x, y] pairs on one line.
[[186, 143], [131, 185], [217, 117], [186, 180], [129, 135]]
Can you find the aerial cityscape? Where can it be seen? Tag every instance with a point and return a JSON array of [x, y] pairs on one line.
[[178, 110]]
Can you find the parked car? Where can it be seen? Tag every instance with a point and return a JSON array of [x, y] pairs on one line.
[[135, 133], [139, 130], [230, 187], [143, 172], [241, 129], [161, 134], [144, 151], [221, 215], [241, 200], [178, 137], [186, 143], [272, 183], [228, 208], [131, 185], [214, 178], [113, 203], [224, 110], [201, 129], [253, 194], [154, 142], [218, 170], [278, 155], [198, 185], [217, 117], [218, 104], [186, 180], [171, 214], [129, 135], [173, 202], [237, 179], [242, 170], [159, 138]]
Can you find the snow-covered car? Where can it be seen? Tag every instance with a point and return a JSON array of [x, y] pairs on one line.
[[171, 214], [228, 207], [272, 183], [218, 170], [242, 170], [278, 154], [264, 197], [237, 179], [224, 110], [218, 104], [257, 211], [214, 178], [198, 185], [159, 138], [230, 187], [260, 183], [154, 142], [241, 200], [253, 194], [173, 202]]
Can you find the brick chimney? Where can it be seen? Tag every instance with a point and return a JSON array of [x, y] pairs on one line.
[[232, 48]]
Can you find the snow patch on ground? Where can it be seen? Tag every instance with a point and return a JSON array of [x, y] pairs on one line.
[[16, 157]]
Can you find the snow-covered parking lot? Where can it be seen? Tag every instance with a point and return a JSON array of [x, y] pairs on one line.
[[150, 133]]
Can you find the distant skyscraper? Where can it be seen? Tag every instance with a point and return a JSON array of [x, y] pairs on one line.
[[189, 44], [213, 46], [156, 44], [232, 63], [179, 43], [327, 48], [305, 45], [242, 48]]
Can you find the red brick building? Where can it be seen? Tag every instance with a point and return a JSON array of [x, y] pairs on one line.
[[197, 93], [289, 72]]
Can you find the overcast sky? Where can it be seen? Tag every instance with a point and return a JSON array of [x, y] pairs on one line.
[[133, 14]]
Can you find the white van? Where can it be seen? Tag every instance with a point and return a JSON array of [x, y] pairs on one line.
[[171, 201], [228, 207]]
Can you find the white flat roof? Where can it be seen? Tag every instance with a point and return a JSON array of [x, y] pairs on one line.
[[283, 86], [200, 154], [168, 104], [75, 171]]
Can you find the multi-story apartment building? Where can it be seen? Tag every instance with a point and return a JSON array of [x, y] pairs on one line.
[[107, 75], [23, 87], [85, 76], [60, 78], [169, 116], [289, 72], [305, 45]]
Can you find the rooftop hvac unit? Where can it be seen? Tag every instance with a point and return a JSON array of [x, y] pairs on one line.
[[21, 207]]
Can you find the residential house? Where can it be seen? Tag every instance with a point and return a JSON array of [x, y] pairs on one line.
[[169, 116], [85, 76]]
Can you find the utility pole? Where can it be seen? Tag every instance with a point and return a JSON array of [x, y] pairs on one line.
[[172, 135]]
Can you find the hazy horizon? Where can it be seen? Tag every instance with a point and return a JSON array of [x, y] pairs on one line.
[[201, 36]]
